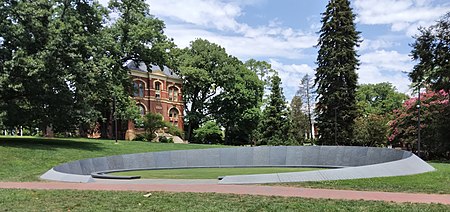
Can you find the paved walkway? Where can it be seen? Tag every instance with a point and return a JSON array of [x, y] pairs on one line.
[[239, 189]]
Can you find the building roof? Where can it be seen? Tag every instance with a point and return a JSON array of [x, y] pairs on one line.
[[153, 68]]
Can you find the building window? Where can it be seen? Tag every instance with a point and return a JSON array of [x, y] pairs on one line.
[[139, 122], [158, 89], [138, 89], [158, 86], [173, 116], [141, 109], [173, 93]]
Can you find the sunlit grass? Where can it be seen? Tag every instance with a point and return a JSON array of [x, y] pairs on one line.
[[207, 173], [72, 200], [437, 182], [26, 158]]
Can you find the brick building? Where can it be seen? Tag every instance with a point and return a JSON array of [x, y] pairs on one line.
[[156, 91]]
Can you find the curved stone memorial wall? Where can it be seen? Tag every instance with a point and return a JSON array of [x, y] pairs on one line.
[[348, 163]]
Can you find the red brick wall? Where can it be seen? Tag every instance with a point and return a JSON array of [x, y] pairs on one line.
[[163, 105]]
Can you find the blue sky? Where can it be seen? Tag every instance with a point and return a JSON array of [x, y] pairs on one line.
[[284, 32]]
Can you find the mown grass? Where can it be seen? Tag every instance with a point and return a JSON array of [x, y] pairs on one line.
[[72, 200], [437, 182], [206, 173], [26, 158]]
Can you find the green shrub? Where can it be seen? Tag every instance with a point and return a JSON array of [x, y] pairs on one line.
[[173, 130], [141, 137], [209, 133], [152, 123], [164, 139]]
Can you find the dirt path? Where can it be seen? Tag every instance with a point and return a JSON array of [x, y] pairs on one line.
[[240, 189]]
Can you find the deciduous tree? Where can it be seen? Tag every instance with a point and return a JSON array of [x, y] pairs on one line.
[[376, 104], [209, 133], [435, 113], [431, 50], [152, 123], [379, 99], [202, 65]]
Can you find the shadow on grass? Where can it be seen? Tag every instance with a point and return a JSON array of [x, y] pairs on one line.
[[439, 161], [48, 143]]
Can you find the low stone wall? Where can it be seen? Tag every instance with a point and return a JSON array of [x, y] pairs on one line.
[[363, 161]]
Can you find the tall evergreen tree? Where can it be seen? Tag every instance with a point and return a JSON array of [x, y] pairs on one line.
[[298, 127], [336, 77], [274, 124], [307, 94]]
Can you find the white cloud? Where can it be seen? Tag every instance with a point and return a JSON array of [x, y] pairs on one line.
[[372, 74], [244, 47], [217, 22], [291, 75], [401, 15], [380, 43], [387, 60], [385, 66], [219, 14]]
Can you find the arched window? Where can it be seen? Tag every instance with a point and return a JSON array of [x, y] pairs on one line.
[[138, 88], [158, 86], [173, 116], [139, 122], [173, 93], [141, 109]]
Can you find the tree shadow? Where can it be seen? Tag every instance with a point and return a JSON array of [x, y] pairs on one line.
[[439, 161], [48, 143]]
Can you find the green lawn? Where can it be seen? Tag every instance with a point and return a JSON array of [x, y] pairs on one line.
[[206, 173], [437, 182], [26, 158], [72, 200]]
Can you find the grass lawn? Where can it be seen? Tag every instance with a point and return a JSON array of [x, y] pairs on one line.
[[437, 182], [207, 173], [26, 158], [71, 200]]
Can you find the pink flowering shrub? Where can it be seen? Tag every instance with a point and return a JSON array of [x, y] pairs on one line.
[[435, 124]]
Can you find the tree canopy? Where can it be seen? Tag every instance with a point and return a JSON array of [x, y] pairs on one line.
[[62, 64], [432, 72], [218, 86], [376, 105], [431, 50], [379, 99], [435, 115]]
